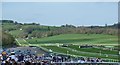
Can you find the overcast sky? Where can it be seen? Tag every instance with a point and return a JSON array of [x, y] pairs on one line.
[[58, 13]]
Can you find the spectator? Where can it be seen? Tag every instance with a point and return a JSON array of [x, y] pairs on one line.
[[20, 57], [13, 57]]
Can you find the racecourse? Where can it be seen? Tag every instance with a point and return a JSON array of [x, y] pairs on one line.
[[55, 43]]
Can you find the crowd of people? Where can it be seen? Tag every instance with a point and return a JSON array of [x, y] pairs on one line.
[[13, 58]]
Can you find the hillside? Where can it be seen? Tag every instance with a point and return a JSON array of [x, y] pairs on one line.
[[103, 38], [77, 39], [29, 30], [36, 33]]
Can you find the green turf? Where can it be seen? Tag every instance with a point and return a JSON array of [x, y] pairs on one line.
[[16, 33], [21, 42], [66, 51], [77, 39], [94, 50]]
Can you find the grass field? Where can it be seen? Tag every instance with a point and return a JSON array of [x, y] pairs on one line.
[[16, 33], [83, 53], [22, 42], [77, 39], [93, 50]]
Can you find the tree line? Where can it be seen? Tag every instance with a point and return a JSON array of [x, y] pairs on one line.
[[36, 30]]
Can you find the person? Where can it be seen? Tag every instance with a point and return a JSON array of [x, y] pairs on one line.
[[4, 56], [27, 63], [20, 57], [13, 57], [14, 62], [82, 60], [0, 57]]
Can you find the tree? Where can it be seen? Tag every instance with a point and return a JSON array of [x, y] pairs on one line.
[[106, 25], [48, 28], [7, 39]]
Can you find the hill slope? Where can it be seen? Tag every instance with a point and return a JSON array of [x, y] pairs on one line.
[[77, 39]]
